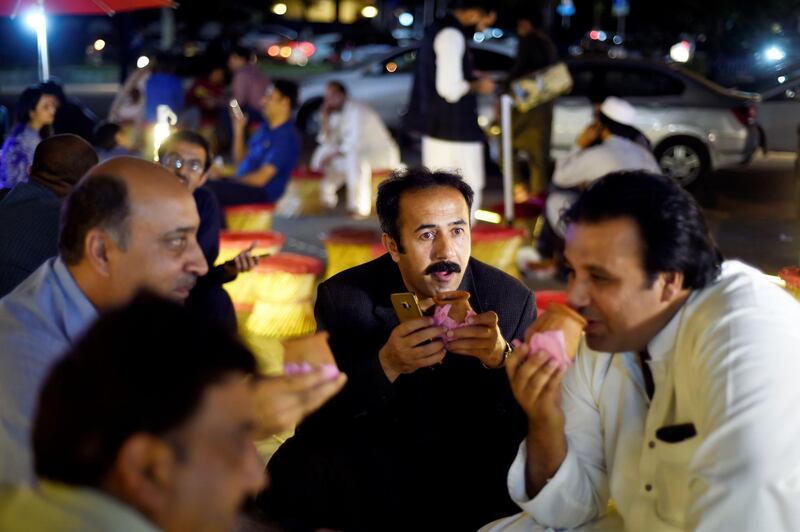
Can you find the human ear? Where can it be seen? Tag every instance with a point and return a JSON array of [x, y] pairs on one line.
[[144, 472], [391, 246], [95, 248], [673, 285]]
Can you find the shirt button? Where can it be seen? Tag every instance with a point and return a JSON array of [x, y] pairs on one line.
[[652, 445], [648, 487]]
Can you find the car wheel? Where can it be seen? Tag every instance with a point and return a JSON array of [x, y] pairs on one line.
[[309, 117], [684, 159]]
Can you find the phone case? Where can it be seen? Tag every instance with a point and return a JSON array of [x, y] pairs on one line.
[[406, 306]]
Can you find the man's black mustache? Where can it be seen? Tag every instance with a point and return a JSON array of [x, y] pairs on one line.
[[445, 266]]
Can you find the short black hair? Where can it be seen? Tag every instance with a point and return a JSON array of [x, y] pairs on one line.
[[189, 137], [288, 89], [339, 86], [98, 201], [105, 135], [243, 52], [143, 368], [54, 87], [531, 13], [409, 180], [671, 225]]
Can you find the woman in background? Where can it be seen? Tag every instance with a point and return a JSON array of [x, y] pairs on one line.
[[34, 117]]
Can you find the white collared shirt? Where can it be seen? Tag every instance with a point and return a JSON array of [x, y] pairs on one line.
[[728, 363], [581, 166]]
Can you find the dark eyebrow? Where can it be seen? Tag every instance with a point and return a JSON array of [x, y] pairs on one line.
[[600, 270], [181, 230], [434, 226]]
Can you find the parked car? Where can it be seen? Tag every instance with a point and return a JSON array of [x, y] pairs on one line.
[[694, 125], [779, 111]]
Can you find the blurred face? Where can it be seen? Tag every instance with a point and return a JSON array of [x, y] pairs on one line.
[[334, 99], [188, 162], [524, 27], [273, 104], [217, 76], [236, 62], [45, 111], [217, 467], [162, 254], [609, 286], [435, 234]]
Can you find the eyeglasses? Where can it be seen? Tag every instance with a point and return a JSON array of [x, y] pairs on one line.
[[174, 162]]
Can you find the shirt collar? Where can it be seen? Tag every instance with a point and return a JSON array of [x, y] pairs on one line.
[[82, 311], [663, 343], [95, 506]]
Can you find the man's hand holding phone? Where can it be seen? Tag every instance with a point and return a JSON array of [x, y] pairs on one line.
[[412, 345]]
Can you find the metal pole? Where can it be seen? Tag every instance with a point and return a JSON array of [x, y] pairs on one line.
[[508, 174], [41, 44]]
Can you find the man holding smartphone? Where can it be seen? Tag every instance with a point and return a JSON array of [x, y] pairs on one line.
[[427, 422]]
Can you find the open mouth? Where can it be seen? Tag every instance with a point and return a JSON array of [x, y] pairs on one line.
[[443, 276]]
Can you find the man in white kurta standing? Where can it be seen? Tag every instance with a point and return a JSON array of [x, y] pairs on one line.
[[681, 405], [353, 142], [443, 104]]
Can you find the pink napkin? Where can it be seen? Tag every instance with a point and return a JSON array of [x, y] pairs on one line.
[[329, 371], [441, 319], [553, 343]]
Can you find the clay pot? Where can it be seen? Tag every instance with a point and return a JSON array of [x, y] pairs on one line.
[[312, 349], [458, 301], [561, 317]]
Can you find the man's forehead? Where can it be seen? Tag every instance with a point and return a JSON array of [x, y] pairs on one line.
[[433, 206]]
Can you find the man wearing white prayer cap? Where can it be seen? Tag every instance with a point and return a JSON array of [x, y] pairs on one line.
[[611, 143]]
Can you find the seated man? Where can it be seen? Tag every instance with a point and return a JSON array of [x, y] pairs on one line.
[[421, 435], [29, 212], [680, 406], [272, 152], [611, 143], [187, 155], [129, 224], [147, 423], [353, 142]]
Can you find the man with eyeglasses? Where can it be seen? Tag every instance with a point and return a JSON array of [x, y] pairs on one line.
[[266, 161], [186, 154]]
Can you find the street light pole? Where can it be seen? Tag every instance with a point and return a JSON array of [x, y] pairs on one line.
[[41, 42]]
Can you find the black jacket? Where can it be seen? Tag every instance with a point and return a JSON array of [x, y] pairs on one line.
[[430, 451], [429, 113]]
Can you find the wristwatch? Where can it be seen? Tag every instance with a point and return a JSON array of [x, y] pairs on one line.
[[506, 351]]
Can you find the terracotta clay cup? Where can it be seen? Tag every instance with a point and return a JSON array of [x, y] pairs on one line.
[[560, 317], [312, 349], [458, 301]]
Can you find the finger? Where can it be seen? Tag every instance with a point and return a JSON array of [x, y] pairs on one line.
[[423, 335], [410, 326], [517, 356], [470, 346], [472, 331], [528, 369], [251, 247], [485, 318], [297, 382], [318, 396], [431, 360], [425, 350], [533, 389]]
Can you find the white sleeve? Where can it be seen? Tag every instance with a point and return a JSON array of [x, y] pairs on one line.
[[745, 474], [583, 165], [352, 128], [578, 492], [449, 46]]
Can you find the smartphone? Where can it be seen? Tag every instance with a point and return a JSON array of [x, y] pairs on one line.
[[236, 108], [406, 305]]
